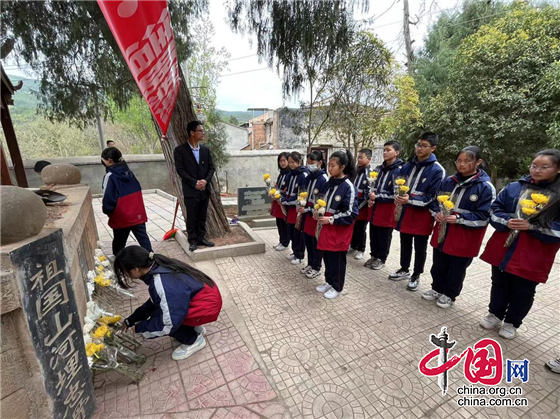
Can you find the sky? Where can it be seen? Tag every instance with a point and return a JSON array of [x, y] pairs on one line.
[[250, 84]]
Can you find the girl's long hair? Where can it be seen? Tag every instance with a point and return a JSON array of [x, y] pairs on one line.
[[347, 160], [137, 257], [548, 215], [112, 153]]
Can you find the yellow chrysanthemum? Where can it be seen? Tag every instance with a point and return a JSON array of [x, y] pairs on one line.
[[404, 189], [321, 203], [103, 282], [443, 198], [400, 182], [100, 332], [448, 205], [303, 194], [317, 206], [540, 198], [528, 211], [100, 268], [528, 203], [102, 258], [373, 175], [277, 196], [93, 348], [272, 192], [109, 319], [266, 176]]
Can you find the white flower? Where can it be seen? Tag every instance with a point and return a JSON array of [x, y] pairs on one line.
[[321, 211], [98, 252], [90, 361], [91, 275], [106, 263], [88, 325], [302, 203], [91, 289], [93, 311], [87, 339]]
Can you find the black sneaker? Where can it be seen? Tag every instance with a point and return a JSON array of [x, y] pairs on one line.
[[369, 262], [399, 275], [413, 283]]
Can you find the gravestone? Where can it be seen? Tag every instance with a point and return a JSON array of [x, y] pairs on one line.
[[54, 326], [253, 203]]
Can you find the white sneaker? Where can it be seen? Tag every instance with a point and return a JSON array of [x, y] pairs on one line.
[[184, 351], [359, 255], [281, 248], [312, 274], [431, 295], [553, 365], [201, 330], [304, 271], [507, 331], [351, 251], [296, 261], [332, 293], [490, 322], [291, 256], [323, 287], [377, 264], [444, 301]]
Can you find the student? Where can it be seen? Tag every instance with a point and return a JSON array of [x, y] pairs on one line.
[[275, 209], [423, 176], [527, 262], [382, 206], [123, 202], [338, 222], [360, 181], [110, 144], [296, 180], [182, 298], [471, 192], [314, 183]]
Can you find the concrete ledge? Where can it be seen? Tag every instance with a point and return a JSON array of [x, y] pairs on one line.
[[263, 223], [232, 250]]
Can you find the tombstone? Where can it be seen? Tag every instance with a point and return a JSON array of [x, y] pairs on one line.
[[253, 203]]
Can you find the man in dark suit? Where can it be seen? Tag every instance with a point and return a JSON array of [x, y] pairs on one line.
[[195, 167]]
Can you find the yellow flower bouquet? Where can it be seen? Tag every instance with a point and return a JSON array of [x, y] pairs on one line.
[[301, 202], [446, 207], [530, 204], [401, 189], [320, 209]]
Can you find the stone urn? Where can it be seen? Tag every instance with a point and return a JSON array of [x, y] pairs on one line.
[[22, 212], [61, 174]]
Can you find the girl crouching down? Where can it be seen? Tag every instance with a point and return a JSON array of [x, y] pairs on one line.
[[182, 298]]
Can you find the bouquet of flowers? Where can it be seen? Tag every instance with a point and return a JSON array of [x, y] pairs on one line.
[[372, 179], [530, 204], [446, 206], [320, 209], [301, 202], [275, 194], [103, 277], [268, 180], [400, 190]]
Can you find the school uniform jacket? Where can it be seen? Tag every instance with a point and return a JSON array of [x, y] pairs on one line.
[[361, 183], [531, 255], [382, 214], [174, 299], [122, 198], [295, 180], [472, 199], [280, 187], [423, 179], [342, 206], [315, 183]]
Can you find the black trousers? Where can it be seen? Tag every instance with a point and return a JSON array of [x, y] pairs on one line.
[[511, 297], [197, 208], [359, 236], [120, 237], [184, 334], [335, 269], [420, 249], [314, 255], [283, 232], [448, 273], [298, 243], [380, 241]]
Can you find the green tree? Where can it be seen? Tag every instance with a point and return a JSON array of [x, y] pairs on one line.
[[503, 94], [233, 120]]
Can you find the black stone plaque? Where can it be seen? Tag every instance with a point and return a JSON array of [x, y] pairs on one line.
[[253, 202], [52, 317]]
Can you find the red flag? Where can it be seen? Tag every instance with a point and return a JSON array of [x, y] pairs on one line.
[[145, 36]]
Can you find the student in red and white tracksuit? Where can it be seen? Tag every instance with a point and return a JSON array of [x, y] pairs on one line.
[[528, 261], [471, 192], [275, 209], [338, 222], [314, 183], [296, 180], [382, 206], [360, 181]]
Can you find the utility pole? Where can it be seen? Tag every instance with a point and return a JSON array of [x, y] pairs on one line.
[[99, 125], [407, 40]]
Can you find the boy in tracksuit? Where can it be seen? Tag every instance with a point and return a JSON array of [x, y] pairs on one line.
[[296, 180], [382, 206], [423, 176], [338, 222], [315, 183], [471, 192], [360, 181]]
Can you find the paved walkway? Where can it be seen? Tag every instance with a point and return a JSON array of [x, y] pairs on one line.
[[280, 350]]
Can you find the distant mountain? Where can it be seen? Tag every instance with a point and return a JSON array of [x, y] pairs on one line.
[[242, 116]]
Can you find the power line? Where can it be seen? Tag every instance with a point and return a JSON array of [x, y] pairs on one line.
[[242, 72], [240, 58]]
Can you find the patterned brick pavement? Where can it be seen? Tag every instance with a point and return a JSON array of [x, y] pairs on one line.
[[281, 350]]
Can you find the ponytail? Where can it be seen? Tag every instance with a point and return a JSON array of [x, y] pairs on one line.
[[137, 257], [112, 153]]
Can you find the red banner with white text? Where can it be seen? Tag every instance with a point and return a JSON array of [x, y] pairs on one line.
[[145, 36]]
